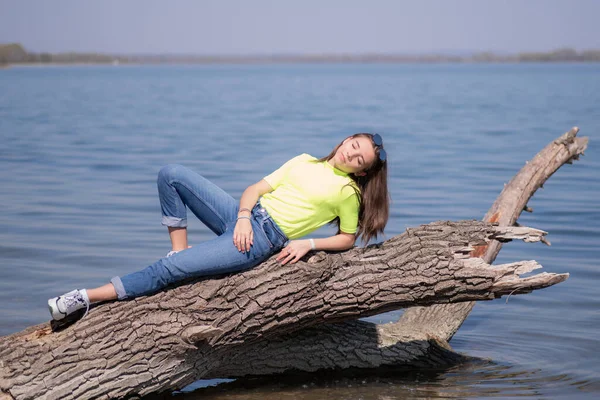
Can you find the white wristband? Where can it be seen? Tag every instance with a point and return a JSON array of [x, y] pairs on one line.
[[312, 244]]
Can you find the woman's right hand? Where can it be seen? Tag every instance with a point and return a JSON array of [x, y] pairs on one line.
[[243, 236]]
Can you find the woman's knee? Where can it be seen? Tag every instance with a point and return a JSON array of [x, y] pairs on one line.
[[170, 172]]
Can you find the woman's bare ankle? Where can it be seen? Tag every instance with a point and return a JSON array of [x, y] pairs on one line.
[[102, 293], [178, 238]]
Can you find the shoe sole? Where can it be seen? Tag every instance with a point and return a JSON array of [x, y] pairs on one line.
[[60, 324]]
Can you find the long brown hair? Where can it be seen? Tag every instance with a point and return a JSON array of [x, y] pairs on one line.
[[374, 198]]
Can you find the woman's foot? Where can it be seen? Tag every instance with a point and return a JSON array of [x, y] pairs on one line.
[[69, 303]]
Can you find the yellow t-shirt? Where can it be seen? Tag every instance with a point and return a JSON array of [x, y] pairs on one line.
[[308, 194]]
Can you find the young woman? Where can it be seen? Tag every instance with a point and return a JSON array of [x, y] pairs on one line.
[[349, 186]]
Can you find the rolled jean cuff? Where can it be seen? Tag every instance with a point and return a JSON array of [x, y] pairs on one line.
[[119, 288], [174, 222]]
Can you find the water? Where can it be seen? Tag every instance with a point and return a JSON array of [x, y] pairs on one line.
[[80, 148]]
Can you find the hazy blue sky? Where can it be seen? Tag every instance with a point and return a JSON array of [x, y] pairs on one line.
[[303, 26]]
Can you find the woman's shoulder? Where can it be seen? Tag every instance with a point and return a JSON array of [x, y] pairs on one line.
[[307, 157], [304, 157]]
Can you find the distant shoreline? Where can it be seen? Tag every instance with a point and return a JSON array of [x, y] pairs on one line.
[[15, 55], [199, 64], [60, 65]]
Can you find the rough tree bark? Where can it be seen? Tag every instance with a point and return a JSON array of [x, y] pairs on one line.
[[271, 318]]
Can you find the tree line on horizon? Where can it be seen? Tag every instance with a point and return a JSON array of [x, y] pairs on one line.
[[15, 53]]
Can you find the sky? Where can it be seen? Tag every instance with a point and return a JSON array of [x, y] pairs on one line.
[[227, 27]]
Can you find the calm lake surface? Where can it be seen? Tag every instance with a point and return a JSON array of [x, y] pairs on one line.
[[81, 146]]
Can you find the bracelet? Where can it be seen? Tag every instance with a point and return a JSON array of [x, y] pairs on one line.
[[242, 217], [312, 244], [244, 209]]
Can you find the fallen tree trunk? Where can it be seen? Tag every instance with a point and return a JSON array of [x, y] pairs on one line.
[[247, 323]]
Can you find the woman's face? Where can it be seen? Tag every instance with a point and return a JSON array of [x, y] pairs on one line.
[[354, 155]]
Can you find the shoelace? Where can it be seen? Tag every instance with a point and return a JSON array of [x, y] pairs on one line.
[[77, 299], [87, 309]]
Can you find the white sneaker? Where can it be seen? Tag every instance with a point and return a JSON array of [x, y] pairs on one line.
[[169, 254], [68, 303]]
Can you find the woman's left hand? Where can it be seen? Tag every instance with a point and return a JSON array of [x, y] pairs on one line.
[[294, 251]]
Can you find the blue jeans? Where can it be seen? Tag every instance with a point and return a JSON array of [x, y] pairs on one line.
[[179, 187]]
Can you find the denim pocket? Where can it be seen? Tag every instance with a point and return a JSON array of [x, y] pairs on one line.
[[262, 246], [276, 239], [263, 233]]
